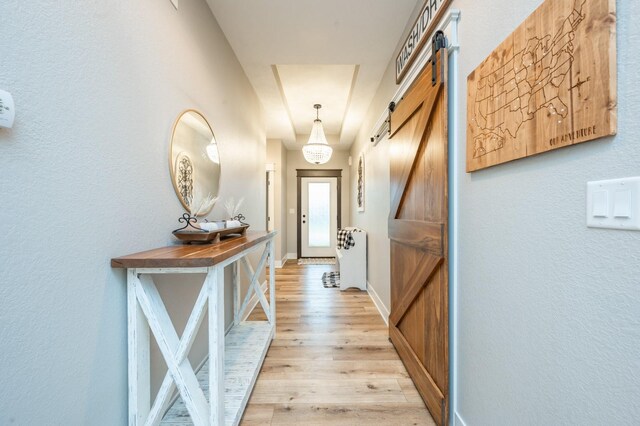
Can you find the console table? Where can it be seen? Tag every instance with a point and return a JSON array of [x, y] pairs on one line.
[[234, 360]]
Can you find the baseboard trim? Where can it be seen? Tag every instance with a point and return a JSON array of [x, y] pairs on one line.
[[280, 263], [458, 420], [384, 313], [253, 302], [292, 256]]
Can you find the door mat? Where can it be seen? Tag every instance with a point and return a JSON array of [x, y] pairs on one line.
[[317, 261], [331, 279]]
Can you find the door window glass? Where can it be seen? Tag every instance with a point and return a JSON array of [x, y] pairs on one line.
[[319, 214]]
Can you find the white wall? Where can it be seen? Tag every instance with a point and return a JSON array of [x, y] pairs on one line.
[[375, 218], [295, 160], [84, 177], [549, 310]]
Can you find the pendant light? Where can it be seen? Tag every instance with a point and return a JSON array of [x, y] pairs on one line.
[[317, 150]]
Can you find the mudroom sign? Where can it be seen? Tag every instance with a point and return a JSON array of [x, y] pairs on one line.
[[550, 84], [420, 32]]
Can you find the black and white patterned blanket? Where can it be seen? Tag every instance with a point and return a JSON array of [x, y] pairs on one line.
[[345, 238]]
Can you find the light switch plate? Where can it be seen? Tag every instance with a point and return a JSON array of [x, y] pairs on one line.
[[614, 204]]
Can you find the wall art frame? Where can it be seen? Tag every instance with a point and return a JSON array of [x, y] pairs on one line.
[[550, 84], [360, 183]]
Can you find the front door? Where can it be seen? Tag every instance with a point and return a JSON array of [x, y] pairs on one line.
[[418, 226], [319, 216]]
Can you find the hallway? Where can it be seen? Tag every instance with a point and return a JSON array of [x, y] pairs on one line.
[[331, 361]]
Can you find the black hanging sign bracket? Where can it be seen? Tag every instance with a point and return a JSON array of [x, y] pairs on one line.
[[438, 41]]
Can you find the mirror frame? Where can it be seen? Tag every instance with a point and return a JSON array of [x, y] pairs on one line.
[[171, 166]]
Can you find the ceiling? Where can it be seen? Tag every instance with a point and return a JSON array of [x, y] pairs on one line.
[[297, 53]]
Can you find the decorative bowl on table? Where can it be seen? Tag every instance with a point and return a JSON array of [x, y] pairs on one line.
[[196, 237], [209, 236]]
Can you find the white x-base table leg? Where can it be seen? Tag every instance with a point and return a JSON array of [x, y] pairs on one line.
[[254, 286], [144, 297], [147, 311]]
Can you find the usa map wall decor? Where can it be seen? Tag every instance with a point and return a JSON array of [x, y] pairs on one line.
[[550, 84]]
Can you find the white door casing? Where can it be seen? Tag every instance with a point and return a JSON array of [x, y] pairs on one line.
[[271, 200]]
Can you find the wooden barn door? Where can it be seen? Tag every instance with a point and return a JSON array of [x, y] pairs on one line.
[[419, 320]]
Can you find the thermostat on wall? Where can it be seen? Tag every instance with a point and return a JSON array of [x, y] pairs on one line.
[[7, 110]]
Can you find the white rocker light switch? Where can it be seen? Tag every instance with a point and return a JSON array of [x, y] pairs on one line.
[[600, 203], [622, 204]]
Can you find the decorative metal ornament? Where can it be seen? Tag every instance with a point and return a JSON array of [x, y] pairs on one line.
[[184, 176], [240, 218], [189, 222]]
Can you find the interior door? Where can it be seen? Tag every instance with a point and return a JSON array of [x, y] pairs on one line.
[[418, 226], [319, 216]]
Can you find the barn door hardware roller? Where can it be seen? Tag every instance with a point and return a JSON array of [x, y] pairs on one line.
[[385, 127], [438, 41]]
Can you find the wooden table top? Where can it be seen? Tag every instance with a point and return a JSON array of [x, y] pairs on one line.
[[191, 256]]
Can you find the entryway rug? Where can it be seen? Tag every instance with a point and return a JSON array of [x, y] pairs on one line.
[[317, 261], [331, 279]]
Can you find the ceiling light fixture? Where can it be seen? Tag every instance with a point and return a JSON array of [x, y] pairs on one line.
[[317, 150]]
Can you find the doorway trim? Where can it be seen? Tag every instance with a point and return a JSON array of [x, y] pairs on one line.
[[322, 173], [270, 189]]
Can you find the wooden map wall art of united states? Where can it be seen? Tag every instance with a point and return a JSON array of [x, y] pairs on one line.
[[550, 84]]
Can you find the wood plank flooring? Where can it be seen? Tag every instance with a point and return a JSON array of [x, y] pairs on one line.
[[331, 362]]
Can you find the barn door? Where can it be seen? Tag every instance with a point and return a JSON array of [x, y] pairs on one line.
[[419, 320]]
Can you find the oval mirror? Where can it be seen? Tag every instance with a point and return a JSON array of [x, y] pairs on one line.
[[194, 160]]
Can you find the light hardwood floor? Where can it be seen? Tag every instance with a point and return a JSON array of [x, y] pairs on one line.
[[331, 362]]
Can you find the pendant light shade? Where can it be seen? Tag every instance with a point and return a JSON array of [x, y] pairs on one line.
[[317, 150]]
